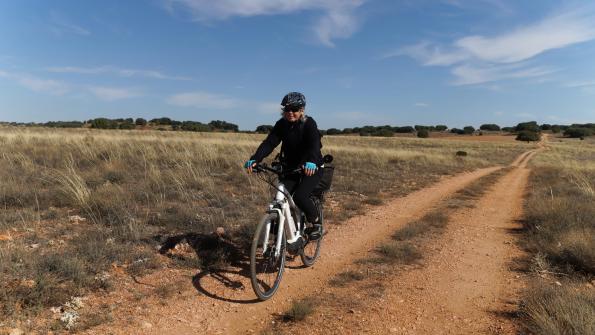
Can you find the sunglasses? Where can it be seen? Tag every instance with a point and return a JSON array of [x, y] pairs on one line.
[[291, 109]]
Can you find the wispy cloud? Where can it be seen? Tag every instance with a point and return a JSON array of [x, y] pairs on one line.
[[270, 108], [479, 74], [114, 93], [115, 71], [60, 25], [37, 84], [586, 83], [203, 100], [479, 59], [338, 19], [421, 104]]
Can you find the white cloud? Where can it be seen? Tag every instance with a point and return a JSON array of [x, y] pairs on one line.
[[116, 71], [37, 84], [480, 59], [586, 83], [113, 93], [337, 21], [203, 100], [429, 54], [526, 42], [269, 108], [60, 25], [421, 104], [479, 74]]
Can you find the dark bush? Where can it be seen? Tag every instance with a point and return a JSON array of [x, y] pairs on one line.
[[457, 131], [441, 127], [578, 132], [468, 130], [423, 133], [405, 129], [530, 126], [527, 135], [490, 126], [140, 122], [264, 129], [333, 131]]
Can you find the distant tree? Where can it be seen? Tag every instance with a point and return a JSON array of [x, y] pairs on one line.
[[195, 126], [348, 131], [528, 135], [405, 129], [382, 132], [457, 131], [578, 132], [223, 125], [264, 129], [508, 129], [556, 129], [490, 126], [333, 131], [441, 127], [140, 122], [531, 126], [468, 130], [104, 123], [63, 124], [423, 133], [126, 125], [546, 126], [163, 121]]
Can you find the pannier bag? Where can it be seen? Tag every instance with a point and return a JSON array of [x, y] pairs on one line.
[[325, 182]]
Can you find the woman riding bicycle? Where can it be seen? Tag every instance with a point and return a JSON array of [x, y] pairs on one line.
[[300, 148]]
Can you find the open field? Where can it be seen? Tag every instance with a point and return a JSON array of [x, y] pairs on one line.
[[79, 207], [79, 204]]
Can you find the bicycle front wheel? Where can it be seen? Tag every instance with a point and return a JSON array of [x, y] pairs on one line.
[[267, 261], [311, 251]]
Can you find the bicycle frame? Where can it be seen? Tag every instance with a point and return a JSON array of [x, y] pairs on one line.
[[283, 206]]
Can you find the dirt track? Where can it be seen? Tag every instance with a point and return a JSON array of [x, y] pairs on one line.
[[466, 280]]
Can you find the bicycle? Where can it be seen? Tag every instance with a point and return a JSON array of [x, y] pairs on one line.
[[281, 230]]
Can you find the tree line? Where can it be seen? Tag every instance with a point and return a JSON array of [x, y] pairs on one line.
[[525, 130]]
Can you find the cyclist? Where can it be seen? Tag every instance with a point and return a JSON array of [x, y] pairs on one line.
[[300, 148]]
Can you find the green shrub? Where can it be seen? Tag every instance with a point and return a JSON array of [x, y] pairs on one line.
[[578, 132], [423, 133], [527, 135]]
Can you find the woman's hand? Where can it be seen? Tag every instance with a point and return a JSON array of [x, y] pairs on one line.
[[309, 168], [249, 165]]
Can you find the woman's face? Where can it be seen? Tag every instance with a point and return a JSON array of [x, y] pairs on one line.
[[293, 115]]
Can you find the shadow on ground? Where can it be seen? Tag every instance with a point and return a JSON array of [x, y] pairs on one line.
[[220, 259]]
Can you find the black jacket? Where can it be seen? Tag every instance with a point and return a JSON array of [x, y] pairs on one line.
[[301, 142]]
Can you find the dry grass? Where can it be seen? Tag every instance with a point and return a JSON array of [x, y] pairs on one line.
[[560, 235], [76, 203], [299, 310]]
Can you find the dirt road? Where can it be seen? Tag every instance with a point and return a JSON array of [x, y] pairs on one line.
[[466, 280]]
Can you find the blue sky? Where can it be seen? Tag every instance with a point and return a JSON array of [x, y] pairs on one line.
[[359, 62]]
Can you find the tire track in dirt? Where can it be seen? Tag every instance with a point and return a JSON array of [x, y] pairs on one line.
[[222, 310], [465, 286], [468, 287]]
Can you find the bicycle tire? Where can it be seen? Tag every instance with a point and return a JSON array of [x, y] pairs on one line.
[[266, 270], [311, 250]]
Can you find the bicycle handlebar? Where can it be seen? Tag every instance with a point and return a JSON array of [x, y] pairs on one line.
[[262, 167]]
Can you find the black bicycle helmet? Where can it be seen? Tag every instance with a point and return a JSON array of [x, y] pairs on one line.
[[294, 99]]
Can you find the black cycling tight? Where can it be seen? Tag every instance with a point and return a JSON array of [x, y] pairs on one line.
[[302, 191]]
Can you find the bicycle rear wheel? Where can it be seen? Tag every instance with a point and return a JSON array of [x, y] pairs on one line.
[[311, 251], [266, 269]]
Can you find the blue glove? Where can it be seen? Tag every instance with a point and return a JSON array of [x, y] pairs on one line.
[[309, 168], [249, 163]]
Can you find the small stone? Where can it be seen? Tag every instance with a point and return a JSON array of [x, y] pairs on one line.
[[352, 311], [146, 325], [558, 283]]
